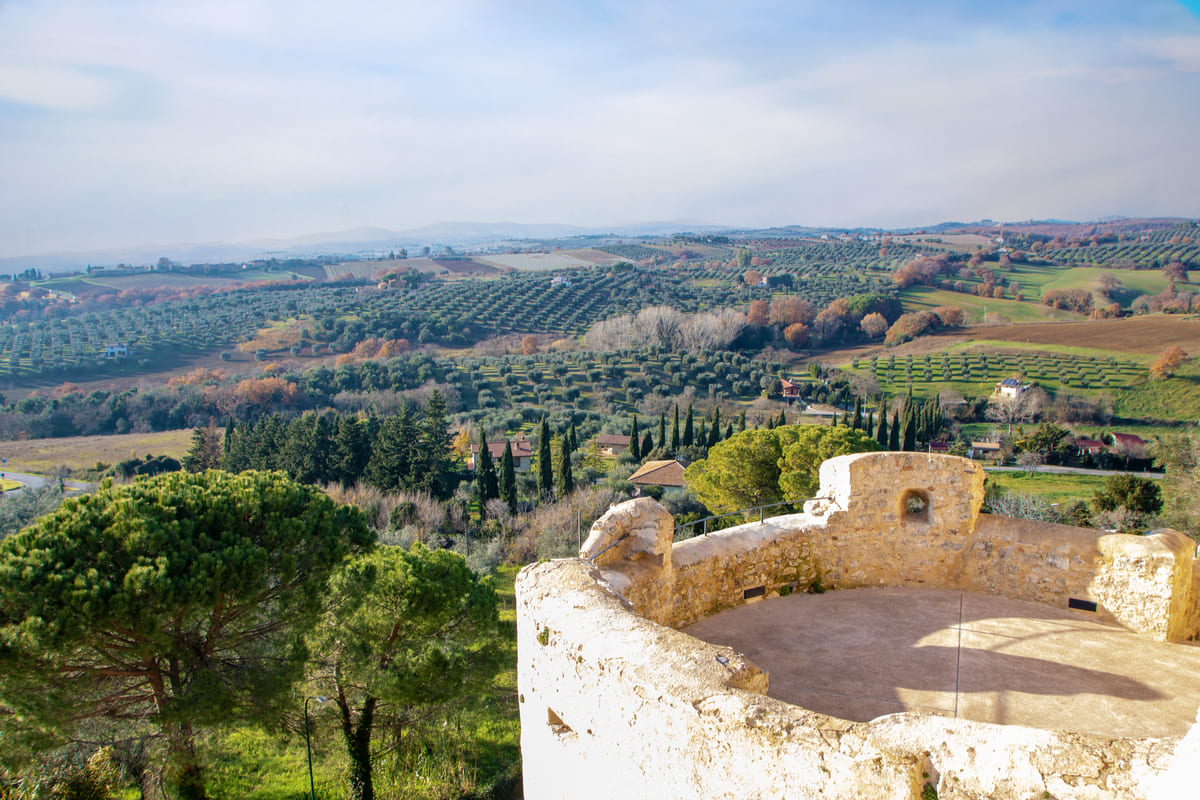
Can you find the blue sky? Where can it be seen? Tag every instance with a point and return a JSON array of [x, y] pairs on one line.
[[136, 121]]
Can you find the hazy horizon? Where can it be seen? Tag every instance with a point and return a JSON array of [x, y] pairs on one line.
[[132, 123]]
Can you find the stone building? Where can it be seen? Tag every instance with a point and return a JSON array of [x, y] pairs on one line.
[[619, 699]]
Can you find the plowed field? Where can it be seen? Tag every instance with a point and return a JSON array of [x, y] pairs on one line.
[[1148, 334]]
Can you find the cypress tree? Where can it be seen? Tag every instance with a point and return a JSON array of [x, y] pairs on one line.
[[566, 481], [227, 442], [881, 433], [729, 431], [635, 444], [741, 421], [702, 435], [858, 418], [689, 431], [662, 428], [545, 466], [647, 444], [485, 475], [573, 438], [894, 433], [782, 418], [508, 479], [714, 432], [910, 432], [870, 428], [675, 432]]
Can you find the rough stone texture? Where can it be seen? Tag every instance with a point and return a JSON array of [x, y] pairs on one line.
[[614, 704]]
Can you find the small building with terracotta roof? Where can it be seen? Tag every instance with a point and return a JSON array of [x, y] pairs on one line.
[[659, 473], [522, 451], [612, 444]]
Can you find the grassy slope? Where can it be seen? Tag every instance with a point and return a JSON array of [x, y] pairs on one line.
[[1056, 488], [920, 298], [82, 452]]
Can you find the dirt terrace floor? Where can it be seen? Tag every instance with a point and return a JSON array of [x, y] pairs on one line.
[[862, 653]]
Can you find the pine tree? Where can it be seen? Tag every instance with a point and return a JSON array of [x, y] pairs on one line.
[[894, 433], [508, 479], [635, 444], [675, 433], [227, 442], [432, 461], [545, 466], [689, 431], [566, 481], [394, 453], [351, 452]]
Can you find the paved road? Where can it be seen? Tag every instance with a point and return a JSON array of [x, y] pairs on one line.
[[1077, 471], [38, 481]]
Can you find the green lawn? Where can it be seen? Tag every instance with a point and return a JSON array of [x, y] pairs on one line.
[[1055, 488]]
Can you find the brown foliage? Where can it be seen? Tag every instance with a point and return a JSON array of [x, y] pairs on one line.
[[788, 310], [796, 334], [1069, 299], [874, 325], [759, 313], [1168, 362], [529, 345]]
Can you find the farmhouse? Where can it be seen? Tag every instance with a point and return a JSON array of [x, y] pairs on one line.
[[791, 391], [612, 444], [522, 451], [1011, 387], [890, 641]]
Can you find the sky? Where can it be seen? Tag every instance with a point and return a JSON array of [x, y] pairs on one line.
[[129, 122]]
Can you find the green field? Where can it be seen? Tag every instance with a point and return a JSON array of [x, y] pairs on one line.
[[1053, 487], [922, 298]]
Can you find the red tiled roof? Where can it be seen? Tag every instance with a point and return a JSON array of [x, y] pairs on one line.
[[659, 473]]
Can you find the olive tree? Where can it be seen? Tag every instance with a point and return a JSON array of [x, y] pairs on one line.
[[180, 601]]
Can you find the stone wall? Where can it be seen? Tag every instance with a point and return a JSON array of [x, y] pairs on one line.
[[899, 519], [617, 703], [614, 705]]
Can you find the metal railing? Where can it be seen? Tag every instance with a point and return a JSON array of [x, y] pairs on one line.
[[742, 512]]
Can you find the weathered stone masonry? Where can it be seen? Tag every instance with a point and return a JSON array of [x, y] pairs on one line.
[[616, 703]]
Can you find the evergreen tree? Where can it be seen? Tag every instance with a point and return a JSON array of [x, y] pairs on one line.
[[741, 421], [910, 430], [870, 428], [675, 433], [689, 431], [729, 430], [662, 428], [508, 479], [574, 440], [394, 453], [702, 434], [894, 434], [351, 452], [433, 471], [782, 421], [227, 442], [566, 481], [545, 466], [635, 444], [647, 444], [858, 417], [485, 475], [714, 432]]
